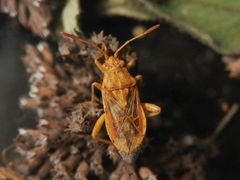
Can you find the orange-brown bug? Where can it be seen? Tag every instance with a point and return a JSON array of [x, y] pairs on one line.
[[124, 114]]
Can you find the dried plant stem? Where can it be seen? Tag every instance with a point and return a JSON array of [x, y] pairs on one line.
[[4, 156], [225, 120]]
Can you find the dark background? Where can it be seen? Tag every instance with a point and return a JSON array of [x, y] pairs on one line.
[[13, 81]]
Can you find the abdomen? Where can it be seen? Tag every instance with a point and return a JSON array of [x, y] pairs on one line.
[[125, 118]]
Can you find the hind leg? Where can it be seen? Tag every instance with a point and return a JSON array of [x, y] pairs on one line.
[[152, 109], [96, 129]]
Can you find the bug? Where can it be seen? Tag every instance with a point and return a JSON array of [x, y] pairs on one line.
[[124, 114]]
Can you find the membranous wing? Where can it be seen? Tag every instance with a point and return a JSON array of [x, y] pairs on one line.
[[125, 119]]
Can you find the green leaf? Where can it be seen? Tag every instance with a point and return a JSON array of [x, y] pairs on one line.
[[214, 22]]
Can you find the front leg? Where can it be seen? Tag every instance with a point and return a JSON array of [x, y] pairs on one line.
[[96, 129], [99, 65], [98, 86], [152, 109]]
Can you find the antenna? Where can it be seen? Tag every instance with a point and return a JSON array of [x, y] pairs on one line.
[[136, 37], [80, 41]]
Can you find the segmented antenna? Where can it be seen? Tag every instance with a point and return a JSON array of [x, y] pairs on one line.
[[81, 41], [136, 37]]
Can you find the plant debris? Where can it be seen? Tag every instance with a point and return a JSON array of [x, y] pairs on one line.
[[186, 158], [61, 146], [36, 15], [8, 174]]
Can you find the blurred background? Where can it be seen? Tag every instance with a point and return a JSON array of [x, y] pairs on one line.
[[13, 80], [187, 65]]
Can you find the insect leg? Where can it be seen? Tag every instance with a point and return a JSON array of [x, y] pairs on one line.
[[96, 129], [99, 65], [139, 79], [152, 109], [98, 86], [131, 64]]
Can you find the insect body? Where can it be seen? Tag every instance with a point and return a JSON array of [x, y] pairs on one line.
[[124, 114]]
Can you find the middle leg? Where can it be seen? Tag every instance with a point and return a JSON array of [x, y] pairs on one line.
[[131, 64], [139, 79]]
